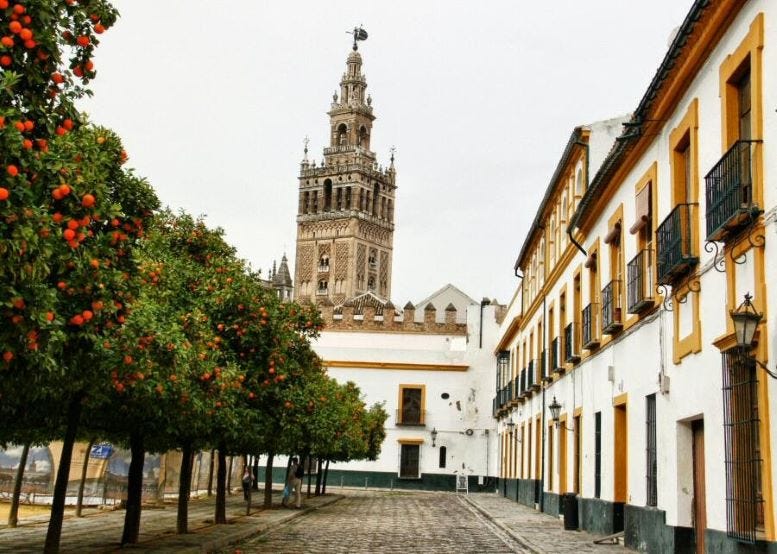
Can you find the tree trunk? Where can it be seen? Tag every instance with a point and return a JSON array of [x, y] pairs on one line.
[[13, 515], [326, 476], [319, 474], [310, 477], [255, 473], [63, 473], [184, 486], [210, 474], [82, 484], [160, 486], [134, 491], [268, 480], [229, 477], [221, 480]]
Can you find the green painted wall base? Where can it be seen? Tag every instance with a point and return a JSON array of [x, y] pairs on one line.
[[600, 516], [716, 542], [645, 530], [551, 503], [387, 480]]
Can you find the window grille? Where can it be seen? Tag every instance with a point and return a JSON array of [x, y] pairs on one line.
[[652, 478], [744, 499], [598, 455]]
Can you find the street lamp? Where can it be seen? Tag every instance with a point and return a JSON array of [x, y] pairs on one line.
[[434, 436], [555, 409], [746, 321]]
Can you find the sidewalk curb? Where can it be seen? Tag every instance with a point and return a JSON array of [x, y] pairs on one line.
[[243, 535], [518, 538]]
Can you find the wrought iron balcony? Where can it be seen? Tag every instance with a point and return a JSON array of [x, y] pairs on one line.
[[639, 282], [323, 268], [411, 418], [517, 388], [572, 343], [524, 385], [729, 191], [556, 363], [612, 315], [533, 379], [590, 327], [544, 361], [674, 245]]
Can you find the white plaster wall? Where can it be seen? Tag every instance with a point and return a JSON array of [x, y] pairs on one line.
[[470, 392]]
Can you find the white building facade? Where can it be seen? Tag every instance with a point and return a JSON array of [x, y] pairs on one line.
[[662, 424]]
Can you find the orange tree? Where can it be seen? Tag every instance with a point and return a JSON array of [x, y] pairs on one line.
[[262, 337], [168, 386], [69, 215]]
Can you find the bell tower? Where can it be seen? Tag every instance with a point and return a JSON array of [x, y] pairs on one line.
[[345, 219]]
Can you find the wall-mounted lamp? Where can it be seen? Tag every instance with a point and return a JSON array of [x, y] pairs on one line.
[[434, 436], [555, 414], [746, 321]]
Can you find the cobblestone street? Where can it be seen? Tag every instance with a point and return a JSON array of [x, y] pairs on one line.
[[400, 522]]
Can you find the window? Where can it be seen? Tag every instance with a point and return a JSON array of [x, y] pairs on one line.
[[323, 263], [744, 493], [371, 283], [323, 287], [408, 462], [651, 461], [443, 454], [342, 134], [411, 405], [598, 455], [327, 195]]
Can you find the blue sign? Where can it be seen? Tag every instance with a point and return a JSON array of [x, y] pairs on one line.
[[101, 451]]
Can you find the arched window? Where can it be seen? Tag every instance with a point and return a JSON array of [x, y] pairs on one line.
[[342, 134], [375, 197], [323, 263], [371, 283], [327, 195], [552, 236], [364, 138]]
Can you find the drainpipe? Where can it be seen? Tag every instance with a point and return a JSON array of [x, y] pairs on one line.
[[587, 180], [483, 303]]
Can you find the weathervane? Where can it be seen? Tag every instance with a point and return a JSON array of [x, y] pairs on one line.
[[358, 34]]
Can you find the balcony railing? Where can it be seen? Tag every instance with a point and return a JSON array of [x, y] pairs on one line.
[[639, 282], [517, 388], [556, 363], [674, 240], [524, 386], [323, 268], [729, 191], [572, 343], [544, 375], [612, 320], [590, 327], [322, 292], [410, 418], [533, 379]]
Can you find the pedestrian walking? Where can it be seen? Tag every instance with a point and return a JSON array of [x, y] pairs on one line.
[[294, 483], [247, 480]]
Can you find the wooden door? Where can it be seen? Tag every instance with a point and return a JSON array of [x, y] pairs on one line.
[[699, 496], [621, 455]]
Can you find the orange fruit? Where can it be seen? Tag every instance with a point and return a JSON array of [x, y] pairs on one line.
[[49, 316], [15, 27], [25, 34], [87, 201], [12, 170], [7, 41], [7, 356], [83, 40], [4, 194], [68, 234]]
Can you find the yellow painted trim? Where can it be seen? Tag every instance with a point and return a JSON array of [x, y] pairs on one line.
[[510, 332], [411, 441], [562, 454], [347, 364], [620, 399], [691, 343], [578, 411]]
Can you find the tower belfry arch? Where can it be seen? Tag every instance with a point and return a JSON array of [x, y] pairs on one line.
[[345, 218]]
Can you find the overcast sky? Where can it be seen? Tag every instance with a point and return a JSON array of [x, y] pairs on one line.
[[213, 100]]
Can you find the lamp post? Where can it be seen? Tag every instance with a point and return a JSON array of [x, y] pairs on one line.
[[746, 321], [434, 436]]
